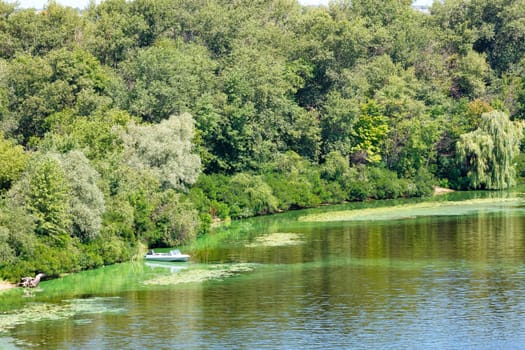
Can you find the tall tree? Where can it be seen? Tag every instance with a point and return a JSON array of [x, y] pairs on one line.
[[45, 193]]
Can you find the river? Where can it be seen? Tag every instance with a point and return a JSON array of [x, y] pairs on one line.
[[443, 274]]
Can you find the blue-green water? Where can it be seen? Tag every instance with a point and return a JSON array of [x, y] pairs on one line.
[[445, 276]]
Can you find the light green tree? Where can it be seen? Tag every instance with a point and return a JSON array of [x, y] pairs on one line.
[[165, 149], [488, 154], [369, 132], [13, 161], [87, 201]]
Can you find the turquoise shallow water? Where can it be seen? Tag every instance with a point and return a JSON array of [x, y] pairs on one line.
[[442, 280]]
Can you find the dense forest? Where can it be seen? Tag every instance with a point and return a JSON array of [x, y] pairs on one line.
[[138, 123]]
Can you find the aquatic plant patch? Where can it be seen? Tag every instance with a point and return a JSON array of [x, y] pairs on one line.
[[277, 239], [36, 312], [409, 211], [198, 275]]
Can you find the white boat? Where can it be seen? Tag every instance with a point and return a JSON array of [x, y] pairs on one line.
[[173, 255]]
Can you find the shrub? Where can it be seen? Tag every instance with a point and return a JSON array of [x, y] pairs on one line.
[[385, 184], [292, 191], [356, 184], [251, 195], [175, 222]]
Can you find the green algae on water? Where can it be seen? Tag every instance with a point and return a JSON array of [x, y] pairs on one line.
[[36, 312], [276, 239], [198, 275], [410, 211]]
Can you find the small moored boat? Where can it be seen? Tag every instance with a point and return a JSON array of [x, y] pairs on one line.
[[173, 255]]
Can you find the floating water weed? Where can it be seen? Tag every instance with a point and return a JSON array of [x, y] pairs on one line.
[[410, 211], [198, 275], [36, 312], [277, 239]]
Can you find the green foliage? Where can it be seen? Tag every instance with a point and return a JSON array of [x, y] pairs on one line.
[[164, 149], [119, 221], [337, 123], [44, 192], [37, 33], [166, 79], [292, 179], [361, 183], [369, 132], [208, 194], [17, 240], [250, 196], [385, 184], [292, 193], [334, 167], [54, 261], [487, 155], [87, 203], [13, 161], [114, 31], [97, 137], [176, 221], [41, 86], [471, 76], [423, 181]]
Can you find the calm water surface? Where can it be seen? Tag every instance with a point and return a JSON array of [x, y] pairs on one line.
[[444, 277]]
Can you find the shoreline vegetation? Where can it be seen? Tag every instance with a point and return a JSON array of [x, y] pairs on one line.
[[140, 124]]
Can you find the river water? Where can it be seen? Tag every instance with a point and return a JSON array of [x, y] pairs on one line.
[[448, 274]]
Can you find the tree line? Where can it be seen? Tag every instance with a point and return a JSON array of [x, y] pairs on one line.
[[137, 123]]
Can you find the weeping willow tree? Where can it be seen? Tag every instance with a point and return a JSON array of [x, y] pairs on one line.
[[487, 155]]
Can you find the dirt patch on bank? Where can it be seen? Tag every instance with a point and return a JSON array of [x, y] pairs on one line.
[[5, 286], [441, 190]]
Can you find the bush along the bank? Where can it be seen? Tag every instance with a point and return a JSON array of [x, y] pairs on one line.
[[291, 182]]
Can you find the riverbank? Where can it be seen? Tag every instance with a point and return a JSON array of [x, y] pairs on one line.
[[5, 286]]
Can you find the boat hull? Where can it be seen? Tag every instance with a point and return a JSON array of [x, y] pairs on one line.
[[180, 258]]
